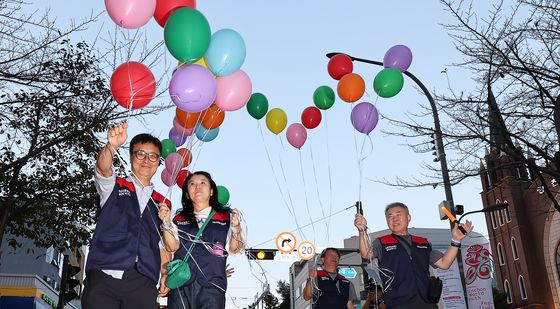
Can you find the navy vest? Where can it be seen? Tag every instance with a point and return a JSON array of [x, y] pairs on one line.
[[210, 258], [122, 233], [410, 277], [331, 296]]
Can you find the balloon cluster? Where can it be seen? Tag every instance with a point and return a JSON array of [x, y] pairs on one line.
[[133, 85], [387, 83], [277, 120], [207, 82]]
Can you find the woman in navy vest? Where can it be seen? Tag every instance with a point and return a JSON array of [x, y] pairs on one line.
[[222, 235]]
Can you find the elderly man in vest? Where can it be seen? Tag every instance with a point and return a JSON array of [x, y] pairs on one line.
[[405, 273], [124, 261], [327, 287]]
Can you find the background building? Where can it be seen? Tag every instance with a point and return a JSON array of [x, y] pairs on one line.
[[30, 276], [525, 237]]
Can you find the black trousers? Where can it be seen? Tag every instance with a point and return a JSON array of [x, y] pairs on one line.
[[133, 291], [196, 296]]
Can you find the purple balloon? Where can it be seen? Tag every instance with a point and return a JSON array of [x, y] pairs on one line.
[[177, 138], [364, 117], [398, 57], [192, 88]]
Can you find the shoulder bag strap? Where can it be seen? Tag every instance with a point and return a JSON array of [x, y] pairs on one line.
[[198, 235]]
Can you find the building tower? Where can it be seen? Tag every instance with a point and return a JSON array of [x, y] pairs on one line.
[[525, 236]]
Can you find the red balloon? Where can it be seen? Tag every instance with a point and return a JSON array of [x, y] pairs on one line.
[[311, 117], [133, 85], [164, 8], [181, 177], [340, 65]]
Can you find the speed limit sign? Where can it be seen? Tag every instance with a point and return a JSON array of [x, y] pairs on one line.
[[306, 250]]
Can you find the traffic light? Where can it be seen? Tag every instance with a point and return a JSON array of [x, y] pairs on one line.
[[68, 283], [71, 283], [435, 147], [261, 254]]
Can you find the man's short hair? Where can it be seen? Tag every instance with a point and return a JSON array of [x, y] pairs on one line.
[[145, 138], [396, 204], [330, 248]]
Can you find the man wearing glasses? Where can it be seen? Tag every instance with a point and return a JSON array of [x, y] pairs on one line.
[[124, 261]]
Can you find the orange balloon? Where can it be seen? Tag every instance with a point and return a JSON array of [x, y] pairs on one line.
[[186, 119], [212, 117], [187, 156], [351, 87]]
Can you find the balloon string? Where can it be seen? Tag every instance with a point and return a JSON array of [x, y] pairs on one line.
[[330, 178], [282, 194], [287, 187], [317, 189], [305, 194], [357, 161]]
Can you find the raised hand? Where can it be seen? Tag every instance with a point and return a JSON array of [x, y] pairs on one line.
[[117, 135], [360, 222], [457, 234]]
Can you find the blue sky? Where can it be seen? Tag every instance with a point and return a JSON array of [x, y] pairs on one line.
[[286, 43]]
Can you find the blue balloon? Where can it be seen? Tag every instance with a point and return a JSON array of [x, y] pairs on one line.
[[226, 52], [204, 134]]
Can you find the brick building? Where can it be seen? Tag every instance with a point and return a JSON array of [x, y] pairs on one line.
[[524, 237]]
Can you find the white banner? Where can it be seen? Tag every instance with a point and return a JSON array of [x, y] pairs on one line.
[[452, 295], [478, 272]]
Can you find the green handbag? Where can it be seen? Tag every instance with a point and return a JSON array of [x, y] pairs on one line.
[[178, 271]]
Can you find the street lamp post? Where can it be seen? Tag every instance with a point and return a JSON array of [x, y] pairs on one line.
[[437, 129]]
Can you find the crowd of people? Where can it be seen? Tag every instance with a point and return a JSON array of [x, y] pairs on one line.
[[137, 240]]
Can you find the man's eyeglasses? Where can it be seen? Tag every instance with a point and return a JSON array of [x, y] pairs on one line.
[[141, 155]]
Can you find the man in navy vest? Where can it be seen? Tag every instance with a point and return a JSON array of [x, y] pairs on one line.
[[124, 260], [328, 288], [405, 274]]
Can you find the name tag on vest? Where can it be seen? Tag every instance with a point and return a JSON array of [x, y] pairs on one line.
[[421, 247], [186, 222], [220, 223], [123, 192], [391, 248]]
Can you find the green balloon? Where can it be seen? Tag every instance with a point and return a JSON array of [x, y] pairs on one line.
[[323, 97], [388, 82], [187, 34], [167, 147], [223, 195], [257, 105]]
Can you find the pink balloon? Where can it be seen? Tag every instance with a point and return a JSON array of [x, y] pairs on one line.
[[130, 14], [233, 91], [167, 178], [174, 162], [296, 134], [182, 131]]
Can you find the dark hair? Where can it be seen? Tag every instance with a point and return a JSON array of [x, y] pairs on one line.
[[188, 208], [330, 248], [396, 204], [145, 138]]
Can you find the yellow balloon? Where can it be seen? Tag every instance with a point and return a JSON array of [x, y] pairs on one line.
[[201, 62], [276, 120]]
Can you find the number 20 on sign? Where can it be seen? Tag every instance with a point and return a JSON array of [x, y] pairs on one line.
[[306, 250]]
